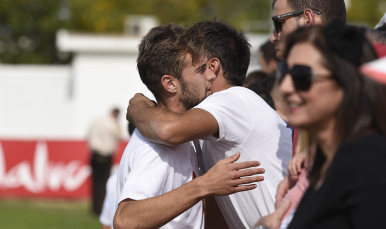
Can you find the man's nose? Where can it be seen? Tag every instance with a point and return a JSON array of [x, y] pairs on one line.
[[274, 36]]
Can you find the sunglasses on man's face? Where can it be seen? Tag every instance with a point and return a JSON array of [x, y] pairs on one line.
[[302, 76], [279, 24]]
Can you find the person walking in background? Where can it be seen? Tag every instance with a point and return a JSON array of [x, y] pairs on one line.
[[267, 57], [110, 203], [103, 138]]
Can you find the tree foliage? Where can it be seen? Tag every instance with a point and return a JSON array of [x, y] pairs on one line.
[[28, 27], [367, 12]]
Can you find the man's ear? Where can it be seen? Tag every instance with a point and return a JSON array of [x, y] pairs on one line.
[[309, 17], [169, 83], [214, 65]]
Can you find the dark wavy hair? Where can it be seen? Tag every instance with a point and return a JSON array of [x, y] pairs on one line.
[[363, 106], [163, 52], [230, 46]]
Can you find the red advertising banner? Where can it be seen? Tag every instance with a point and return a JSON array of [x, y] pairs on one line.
[[48, 169]]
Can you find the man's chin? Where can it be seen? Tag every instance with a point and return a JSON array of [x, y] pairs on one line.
[[279, 54]]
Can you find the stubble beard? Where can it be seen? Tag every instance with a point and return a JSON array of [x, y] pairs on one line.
[[189, 98]]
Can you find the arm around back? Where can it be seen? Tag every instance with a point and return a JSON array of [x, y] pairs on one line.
[[175, 129], [162, 126]]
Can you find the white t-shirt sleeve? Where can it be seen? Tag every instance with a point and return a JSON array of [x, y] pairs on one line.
[[231, 115], [149, 174]]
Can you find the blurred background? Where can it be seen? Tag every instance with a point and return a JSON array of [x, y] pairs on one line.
[[64, 63]]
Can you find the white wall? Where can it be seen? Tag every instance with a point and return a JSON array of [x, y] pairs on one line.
[[60, 102], [33, 101], [101, 82]]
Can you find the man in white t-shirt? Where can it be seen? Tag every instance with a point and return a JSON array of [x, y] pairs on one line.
[[232, 119], [155, 184]]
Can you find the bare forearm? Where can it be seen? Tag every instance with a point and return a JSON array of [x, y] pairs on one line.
[[162, 126], [153, 122], [157, 211]]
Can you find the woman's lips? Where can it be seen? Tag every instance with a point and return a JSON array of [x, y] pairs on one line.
[[293, 107]]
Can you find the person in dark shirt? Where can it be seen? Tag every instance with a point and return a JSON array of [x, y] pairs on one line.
[[345, 114]]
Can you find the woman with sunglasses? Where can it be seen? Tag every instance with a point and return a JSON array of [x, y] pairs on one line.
[[345, 113]]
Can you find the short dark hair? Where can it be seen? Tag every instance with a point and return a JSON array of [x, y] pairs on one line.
[[331, 9], [230, 46], [377, 35], [262, 83], [382, 28], [255, 78], [115, 110], [162, 52], [268, 50], [264, 94]]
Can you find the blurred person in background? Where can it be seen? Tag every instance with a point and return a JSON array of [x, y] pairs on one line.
[[269, 63], [264, 94], [255, 78], [381, 26], [382, 30], [291, 14], [267, 57], [377, 36], [158, 185], [110, 203], [344, 112], [379, 33], [261, 83], [232, 119], [103, 138]]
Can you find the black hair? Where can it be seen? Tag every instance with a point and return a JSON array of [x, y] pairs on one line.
[[268, 50], [261, 79], [115, 110], [230, 46], [255, 78], [382, 32], [130, 127], [264, 94]]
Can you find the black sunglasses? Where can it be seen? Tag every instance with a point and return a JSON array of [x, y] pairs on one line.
[[279, 25], [302, 76]]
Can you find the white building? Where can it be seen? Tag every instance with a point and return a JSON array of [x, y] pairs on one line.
[[60, 102]]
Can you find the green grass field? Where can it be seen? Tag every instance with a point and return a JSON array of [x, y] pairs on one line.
[[31, 214]]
